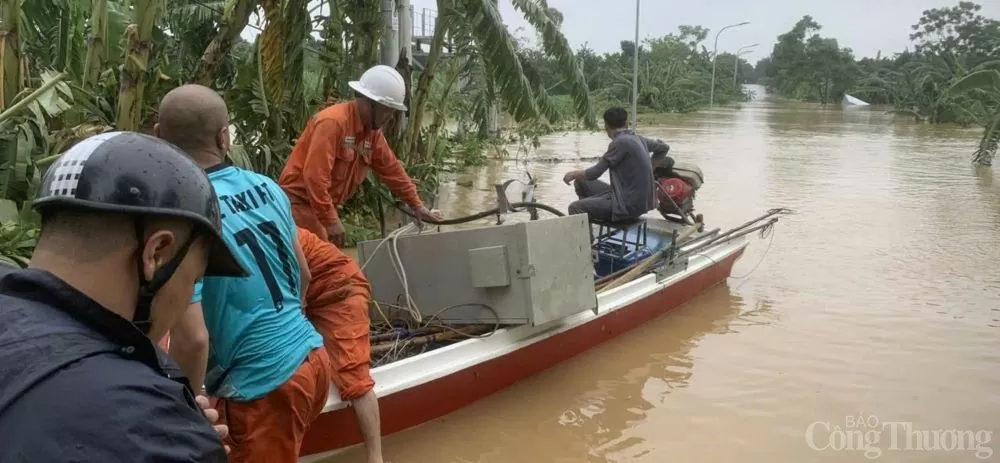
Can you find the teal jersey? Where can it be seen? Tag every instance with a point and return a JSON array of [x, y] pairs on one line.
[[258, 332]]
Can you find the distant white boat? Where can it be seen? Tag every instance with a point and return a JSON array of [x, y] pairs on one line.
[[850, 100]]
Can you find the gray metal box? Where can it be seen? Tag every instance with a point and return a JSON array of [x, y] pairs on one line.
[[528, 272]]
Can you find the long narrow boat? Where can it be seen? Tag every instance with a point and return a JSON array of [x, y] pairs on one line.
[[430, 385]]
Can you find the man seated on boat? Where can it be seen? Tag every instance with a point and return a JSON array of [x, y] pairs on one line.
[[129, 223], [630, 193], [337, 303], [266, 365]]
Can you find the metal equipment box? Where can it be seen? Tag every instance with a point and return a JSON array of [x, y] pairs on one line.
[[528, 272]]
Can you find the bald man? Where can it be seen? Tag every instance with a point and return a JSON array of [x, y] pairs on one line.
[[201, 116], [267, 364]]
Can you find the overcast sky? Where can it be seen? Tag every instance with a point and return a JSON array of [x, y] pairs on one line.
[[866, 26]]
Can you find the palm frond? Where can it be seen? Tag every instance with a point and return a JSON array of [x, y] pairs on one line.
[[536, 12], [499, 54], [988, 144], [983, 79], [195, 12]]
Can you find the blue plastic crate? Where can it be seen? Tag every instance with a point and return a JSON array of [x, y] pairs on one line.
[[611, 262]]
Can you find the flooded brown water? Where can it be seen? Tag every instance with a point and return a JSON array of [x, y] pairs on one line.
[[880, 299]]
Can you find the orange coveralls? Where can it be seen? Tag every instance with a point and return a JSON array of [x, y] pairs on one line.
[[337, 305], [330, 161]]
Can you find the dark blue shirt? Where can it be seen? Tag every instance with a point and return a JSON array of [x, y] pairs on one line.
[[78, 383], [628, 160]]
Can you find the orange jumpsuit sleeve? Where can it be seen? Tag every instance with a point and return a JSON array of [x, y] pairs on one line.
[[392, 173], [324, 145]]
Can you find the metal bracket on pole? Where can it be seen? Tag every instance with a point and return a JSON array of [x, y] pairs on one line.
[[528, 196], [503, 207], [674, 245]]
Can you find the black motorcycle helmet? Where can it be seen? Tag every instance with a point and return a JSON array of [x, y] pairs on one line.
[[137, 174]]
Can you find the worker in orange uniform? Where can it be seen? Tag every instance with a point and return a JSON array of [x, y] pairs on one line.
[[337, 305], [339, 144]]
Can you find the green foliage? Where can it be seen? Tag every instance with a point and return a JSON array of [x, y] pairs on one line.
[[675, 74], [18, 233], [985, 83], [946, 79], [807, 66], [358, 226], [16, 243], [27, 138], [959, 30], [70, 66]]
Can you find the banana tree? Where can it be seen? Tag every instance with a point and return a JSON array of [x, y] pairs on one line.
[[138, 36], [985, 85], [97, 43], [411, 137], [234, 19], [11, 81], [27, 144], [547, 22], [515, 83]]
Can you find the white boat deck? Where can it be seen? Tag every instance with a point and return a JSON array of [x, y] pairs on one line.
[[431, 365]]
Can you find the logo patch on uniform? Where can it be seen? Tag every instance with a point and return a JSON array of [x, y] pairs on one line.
[[349, 143], [366, 150]]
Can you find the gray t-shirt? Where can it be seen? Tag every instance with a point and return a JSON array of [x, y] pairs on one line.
[[632, 187]]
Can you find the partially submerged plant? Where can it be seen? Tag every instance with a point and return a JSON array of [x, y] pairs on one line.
[[18, 234]]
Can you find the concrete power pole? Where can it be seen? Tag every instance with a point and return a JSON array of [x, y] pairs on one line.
[[405, 41], [390, 42], [635, 71], [406, 28]]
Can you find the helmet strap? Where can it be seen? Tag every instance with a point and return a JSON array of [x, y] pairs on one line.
[[148, 288], [371, 113]]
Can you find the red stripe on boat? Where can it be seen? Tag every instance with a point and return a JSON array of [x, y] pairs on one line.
[[419, 404]]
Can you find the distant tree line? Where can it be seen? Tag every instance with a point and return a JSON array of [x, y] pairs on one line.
[[951, 75], [675, 73]]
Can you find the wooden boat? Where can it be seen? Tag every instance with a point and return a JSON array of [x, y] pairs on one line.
[[435, 383]]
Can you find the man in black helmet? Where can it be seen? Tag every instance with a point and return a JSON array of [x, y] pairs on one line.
[[129, 223]]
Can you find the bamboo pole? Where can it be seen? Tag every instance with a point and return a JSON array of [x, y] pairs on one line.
[[451, 333]]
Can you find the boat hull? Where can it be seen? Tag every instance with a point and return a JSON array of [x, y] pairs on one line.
[[408, 407]]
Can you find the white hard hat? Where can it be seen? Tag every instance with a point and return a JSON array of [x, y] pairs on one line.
[[382, 84]]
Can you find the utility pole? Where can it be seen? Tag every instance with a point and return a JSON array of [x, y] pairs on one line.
[[405, 45], [389, 47], [635, 71], [406, 28]]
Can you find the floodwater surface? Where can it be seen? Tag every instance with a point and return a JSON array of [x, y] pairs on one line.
[[866, 328]]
